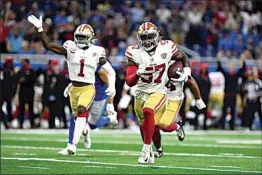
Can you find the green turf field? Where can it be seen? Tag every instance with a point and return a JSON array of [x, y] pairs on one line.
[[116, 152]]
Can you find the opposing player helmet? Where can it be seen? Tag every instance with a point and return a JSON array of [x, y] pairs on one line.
[[84, 35], [148, 36]]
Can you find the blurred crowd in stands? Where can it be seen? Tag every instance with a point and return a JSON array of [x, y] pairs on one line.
[[224, 29], [232, 27]]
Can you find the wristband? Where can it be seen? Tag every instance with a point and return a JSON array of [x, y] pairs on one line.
[[40, 29], [187, 71]]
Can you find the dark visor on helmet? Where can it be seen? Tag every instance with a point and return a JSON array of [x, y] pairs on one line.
[[81, 37], [149, 36]]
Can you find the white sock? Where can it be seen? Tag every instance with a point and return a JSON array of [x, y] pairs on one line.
[[178, 126], [79, 127], [147, 147], [87, 128], [160, 149]]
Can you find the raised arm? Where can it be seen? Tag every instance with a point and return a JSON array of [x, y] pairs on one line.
[[219, 67], [48, 45], [242, 70]]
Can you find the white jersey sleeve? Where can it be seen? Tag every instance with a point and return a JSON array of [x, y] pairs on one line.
[[101, 53], [130, 52], [172, 47], [70, 47]]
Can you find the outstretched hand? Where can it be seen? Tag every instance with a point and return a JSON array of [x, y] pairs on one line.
[[36, 22]]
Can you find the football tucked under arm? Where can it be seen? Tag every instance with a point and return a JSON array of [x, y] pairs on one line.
[[181, 56]]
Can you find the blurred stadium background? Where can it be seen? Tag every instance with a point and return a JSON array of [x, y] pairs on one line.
[[209, 32]]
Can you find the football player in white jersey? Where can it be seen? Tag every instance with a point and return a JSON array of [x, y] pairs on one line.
[[147, 68], [175, 95], [83, 59]]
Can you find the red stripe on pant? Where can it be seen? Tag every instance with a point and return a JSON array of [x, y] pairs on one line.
[[160, 103], [83, 114]]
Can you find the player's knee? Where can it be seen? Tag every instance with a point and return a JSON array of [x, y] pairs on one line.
[[81, 111], [147, 112]]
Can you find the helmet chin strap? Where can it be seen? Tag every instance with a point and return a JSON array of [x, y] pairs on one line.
[[152, 51]]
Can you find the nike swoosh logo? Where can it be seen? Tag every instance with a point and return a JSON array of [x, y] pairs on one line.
[[146, 159]]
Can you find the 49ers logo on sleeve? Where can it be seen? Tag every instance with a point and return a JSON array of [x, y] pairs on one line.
[[163, 55], [73, 50]]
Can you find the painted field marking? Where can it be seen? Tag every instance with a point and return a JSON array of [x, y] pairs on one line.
[[127, 165], [127, 132], [25, 154], [218, 166], [208, 145], [137, 137], [35, 167], [130, 152], [93, 166], [249, 142]]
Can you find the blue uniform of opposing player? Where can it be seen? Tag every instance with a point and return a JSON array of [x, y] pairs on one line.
[[99, 115]]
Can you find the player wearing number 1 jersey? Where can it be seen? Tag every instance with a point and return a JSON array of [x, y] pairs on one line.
[[83, 59], [147, 68]]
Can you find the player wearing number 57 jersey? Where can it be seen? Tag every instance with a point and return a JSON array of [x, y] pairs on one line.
[[147, 68], [83, 59]]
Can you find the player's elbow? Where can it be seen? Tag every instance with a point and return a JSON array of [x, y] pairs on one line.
[[129, 83], [131, 80]]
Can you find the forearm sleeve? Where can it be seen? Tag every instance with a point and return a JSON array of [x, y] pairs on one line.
[[131, 77]]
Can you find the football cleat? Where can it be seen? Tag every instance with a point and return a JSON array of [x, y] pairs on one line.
[[152, 157], [87, 138], [159, 152], [144, 155], [63, 152], [71, 149], [180, 132], [113, 119]]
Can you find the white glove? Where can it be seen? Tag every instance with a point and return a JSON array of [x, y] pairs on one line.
[[200, 104], [110, 109], [67, 90], [112, 115], [110, 91], [141, 69], [183, 76], [36, 22]]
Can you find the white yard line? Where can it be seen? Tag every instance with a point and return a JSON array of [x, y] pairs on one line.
[[93, 166], [35, 167], [183, 144], [217, 166], [249, 142], [127, 165], [138, 137], [25, 154], [130, 153], [128, 132]]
